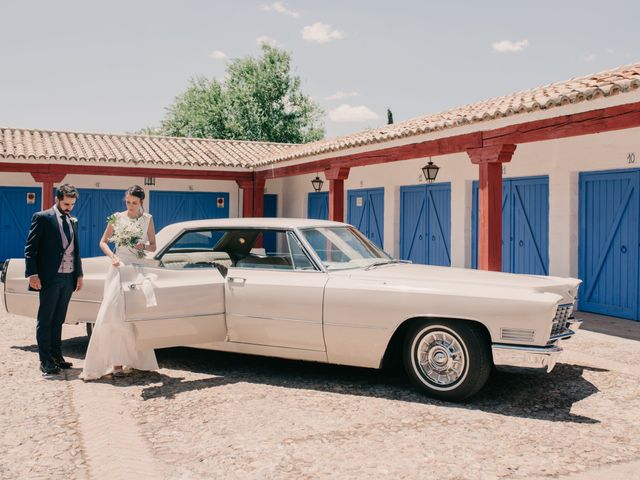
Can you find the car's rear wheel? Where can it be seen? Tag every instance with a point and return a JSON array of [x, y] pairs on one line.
[[89, 329], [449, 360]]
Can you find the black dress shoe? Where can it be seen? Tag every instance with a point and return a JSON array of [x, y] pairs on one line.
[[62, 363], [49, 369]]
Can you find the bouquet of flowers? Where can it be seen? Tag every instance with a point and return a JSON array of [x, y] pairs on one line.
[[126, 234]]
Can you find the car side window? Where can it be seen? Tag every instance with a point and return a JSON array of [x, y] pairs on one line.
[[271, 250], [195, 249], [300, 259]]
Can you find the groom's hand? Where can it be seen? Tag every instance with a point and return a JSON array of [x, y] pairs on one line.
[[34, 282], [79, 284]]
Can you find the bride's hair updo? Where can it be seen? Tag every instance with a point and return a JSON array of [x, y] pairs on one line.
[[136, 191]]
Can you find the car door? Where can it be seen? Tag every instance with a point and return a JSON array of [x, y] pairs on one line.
[[275, 297], [174, 307]]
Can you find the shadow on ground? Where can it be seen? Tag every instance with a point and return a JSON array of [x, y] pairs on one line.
[[544, 397], [617, 327]]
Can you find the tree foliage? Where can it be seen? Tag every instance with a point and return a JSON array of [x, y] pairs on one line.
[[259, 100]]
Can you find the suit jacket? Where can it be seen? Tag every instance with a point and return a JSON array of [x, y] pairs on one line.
[[43, 250]]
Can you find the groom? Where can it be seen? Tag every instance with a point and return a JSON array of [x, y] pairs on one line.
[[53, 266]]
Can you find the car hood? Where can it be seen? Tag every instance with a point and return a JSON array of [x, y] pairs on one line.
[[463, 279]]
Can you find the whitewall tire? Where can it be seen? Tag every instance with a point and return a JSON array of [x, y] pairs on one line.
[[447, 359]]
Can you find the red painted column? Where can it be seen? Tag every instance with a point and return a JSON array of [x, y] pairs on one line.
[[252, 196], [258, 196], [47, 180], [489, 161], [336, 177], [247, 197]]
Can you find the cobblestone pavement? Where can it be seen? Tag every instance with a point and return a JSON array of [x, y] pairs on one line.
[[217, 415]]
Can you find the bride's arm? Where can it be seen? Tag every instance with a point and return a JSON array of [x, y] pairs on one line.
[[151, 233], [108, 232]]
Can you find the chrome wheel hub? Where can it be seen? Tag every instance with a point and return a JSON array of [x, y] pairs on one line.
[[441, 358]]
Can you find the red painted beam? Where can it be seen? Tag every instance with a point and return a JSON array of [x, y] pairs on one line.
[[585, 123], [124, 171], [440, 146]]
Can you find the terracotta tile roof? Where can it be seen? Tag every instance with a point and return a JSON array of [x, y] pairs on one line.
[[140, 150], [603, 84]]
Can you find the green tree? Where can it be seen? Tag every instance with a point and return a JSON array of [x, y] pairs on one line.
[[259, 100]]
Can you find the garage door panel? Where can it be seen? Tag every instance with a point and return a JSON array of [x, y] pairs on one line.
[[169, 207], [425, 223], [530, 227], [439, 225], [525, 225], [15, 219], [376, 216], [318, 205], [608, 253], [412, 224], [358, 215]]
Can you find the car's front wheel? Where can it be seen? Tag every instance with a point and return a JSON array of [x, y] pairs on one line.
[[445, 359]]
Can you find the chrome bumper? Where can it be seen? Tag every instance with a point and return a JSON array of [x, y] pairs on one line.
[[517, 356], [532, 358]]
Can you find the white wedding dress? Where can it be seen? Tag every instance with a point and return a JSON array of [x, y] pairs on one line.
[[113, 339]]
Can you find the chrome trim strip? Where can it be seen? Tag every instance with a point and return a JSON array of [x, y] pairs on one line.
[[283, 319], [354, 325], [172, 317]]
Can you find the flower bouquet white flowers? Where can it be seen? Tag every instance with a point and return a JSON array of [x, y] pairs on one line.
[[126, 234]]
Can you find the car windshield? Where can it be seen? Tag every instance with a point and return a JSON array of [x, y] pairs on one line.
[[342, 248]]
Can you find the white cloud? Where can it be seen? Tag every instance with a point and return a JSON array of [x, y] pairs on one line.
[[265, 39], [507, 46], [218, 55], [339, 95], [349, 113], [589, 58], [321, 33], [280, 8]]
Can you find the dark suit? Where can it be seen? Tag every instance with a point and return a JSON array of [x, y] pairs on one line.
[[43, 253]]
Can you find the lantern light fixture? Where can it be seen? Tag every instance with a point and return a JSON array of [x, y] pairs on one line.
[[430, 171], [317, 183]]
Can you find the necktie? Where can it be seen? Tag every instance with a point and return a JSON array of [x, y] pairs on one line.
[[65, 228]]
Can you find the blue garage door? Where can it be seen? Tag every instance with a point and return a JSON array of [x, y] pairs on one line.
[[173, 207], [525, 225], [609, 220], [318, 205], [366, 213], [18, 206], [425, 224], [270, 205], [270, 210], [92, 209]]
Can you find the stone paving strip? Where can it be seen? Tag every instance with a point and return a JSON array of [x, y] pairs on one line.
[[112, 443], [217, 415]]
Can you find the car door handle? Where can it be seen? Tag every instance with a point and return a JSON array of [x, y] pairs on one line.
[[237, 281], [134, 286]]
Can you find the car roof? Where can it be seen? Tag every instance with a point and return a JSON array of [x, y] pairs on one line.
[[168, 232]]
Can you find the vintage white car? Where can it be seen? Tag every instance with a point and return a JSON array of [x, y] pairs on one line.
[[320, 291]]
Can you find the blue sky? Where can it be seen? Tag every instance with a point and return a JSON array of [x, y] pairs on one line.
[[115, 66]]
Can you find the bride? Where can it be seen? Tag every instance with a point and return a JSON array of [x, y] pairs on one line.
[[112, 345]]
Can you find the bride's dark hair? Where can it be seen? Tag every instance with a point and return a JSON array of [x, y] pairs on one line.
[[136, 191]]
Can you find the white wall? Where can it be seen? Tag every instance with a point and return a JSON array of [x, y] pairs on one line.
[[562, 160]]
